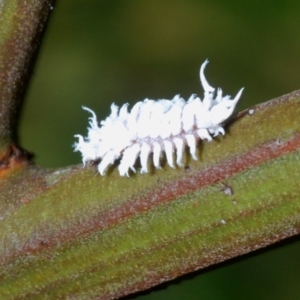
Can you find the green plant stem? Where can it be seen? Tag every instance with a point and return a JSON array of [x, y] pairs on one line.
[[70, 233], [22, 24]]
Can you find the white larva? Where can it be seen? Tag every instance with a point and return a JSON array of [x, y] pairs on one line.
[[153, 127]]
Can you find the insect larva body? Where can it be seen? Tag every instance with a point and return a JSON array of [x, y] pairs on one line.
[[155, 127]]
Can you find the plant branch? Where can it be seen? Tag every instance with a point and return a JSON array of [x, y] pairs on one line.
[[70, 232], [22, 25]]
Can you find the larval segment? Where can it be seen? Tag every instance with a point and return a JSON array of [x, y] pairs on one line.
[[153, 127]]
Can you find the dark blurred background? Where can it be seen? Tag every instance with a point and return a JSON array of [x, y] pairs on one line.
[[98, 52]]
